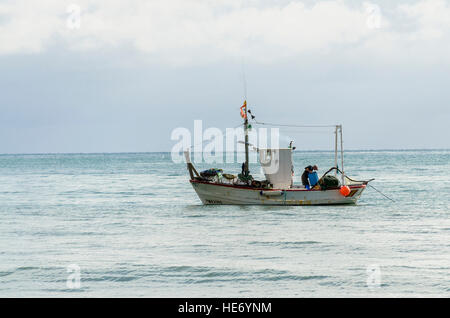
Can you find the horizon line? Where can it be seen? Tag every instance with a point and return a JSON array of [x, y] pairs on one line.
[[168, 152]]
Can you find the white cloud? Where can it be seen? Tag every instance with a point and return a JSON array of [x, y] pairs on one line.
[[183, 31], [432, 18], [418, 33]]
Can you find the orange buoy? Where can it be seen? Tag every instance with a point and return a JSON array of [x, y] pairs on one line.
[[345, 191]]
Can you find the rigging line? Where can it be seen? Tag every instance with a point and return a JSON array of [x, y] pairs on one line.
[[296, 131], [299, 126], [381, 192], [365, 182]]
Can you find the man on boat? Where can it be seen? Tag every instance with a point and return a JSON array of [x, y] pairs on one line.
[[308, 175], [305, 179]]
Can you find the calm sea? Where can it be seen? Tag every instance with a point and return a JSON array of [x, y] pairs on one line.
[[131, 225]]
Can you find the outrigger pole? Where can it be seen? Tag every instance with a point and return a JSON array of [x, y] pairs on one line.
[[338, 130], [342, 156], [335, 149]]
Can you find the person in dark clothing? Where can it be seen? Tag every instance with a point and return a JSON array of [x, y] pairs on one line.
[[305, 180]]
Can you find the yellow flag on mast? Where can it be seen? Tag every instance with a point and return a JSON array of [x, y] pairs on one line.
[[244, 111]]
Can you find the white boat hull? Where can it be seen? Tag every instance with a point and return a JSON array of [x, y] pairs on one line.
[[216, 193]]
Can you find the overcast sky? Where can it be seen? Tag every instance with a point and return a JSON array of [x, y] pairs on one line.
[[121, 75]]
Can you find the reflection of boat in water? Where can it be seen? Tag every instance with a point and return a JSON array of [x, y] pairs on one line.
[[214, 187]]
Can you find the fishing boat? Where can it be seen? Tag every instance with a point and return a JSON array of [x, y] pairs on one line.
[[214, 187]]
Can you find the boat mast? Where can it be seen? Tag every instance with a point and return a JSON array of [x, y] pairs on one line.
[[246, 169], [342, 155]]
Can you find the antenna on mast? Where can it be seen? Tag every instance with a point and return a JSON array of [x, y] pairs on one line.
[[244, 80]]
